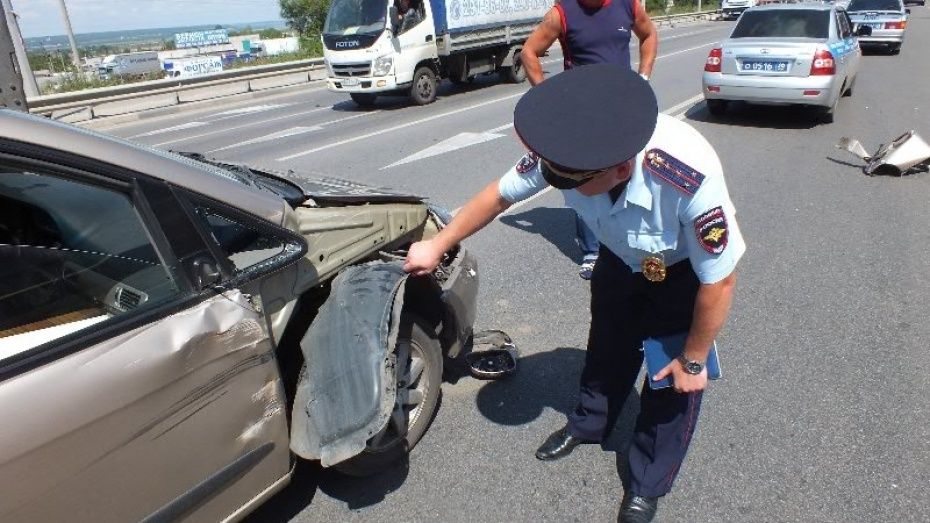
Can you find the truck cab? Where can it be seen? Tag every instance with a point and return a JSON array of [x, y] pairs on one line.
[[377, 47]]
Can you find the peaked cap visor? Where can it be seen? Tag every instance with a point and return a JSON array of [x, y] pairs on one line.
[[587, 118]]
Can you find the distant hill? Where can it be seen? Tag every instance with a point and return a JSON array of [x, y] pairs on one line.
[[135, 36]]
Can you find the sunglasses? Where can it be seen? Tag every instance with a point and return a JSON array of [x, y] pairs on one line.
[[565, 178]]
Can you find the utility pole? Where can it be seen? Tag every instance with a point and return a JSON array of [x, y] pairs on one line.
[[18, 81], [75, 59]]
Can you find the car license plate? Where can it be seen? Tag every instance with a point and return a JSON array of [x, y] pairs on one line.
[[348, 82], [773, 66], [878, 25]]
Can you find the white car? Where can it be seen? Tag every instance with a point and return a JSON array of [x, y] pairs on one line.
[[784, 54], [887, 20]]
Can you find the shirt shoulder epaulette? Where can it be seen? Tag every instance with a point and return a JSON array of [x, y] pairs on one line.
[[672, 171]]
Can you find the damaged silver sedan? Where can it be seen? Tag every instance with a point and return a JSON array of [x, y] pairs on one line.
[[176, 332]]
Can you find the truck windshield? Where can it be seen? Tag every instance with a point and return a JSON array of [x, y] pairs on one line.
[[349, 17]]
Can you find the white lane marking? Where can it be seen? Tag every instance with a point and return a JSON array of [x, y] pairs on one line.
[[666, 38], [293, 131], [459, 141], [188, 125], [251, 109], [397, 127], [670, 111], [243, 126], [308, 129]]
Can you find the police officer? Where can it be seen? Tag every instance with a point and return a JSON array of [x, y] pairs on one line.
[[652, 189], [592, 32]]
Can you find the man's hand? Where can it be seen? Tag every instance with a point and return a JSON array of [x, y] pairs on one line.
[[422, 258], [681, 380]]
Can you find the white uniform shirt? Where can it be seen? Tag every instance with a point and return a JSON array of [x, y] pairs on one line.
[[660, 212]]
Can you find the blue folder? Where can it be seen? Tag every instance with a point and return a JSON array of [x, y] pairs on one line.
[[659, 352]]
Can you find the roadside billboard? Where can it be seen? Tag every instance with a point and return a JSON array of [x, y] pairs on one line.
[[201, 38]]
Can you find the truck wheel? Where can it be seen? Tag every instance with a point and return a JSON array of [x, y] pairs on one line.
[[516, 73], [364, 99], [423, 90], [717, 107], [419, 375]]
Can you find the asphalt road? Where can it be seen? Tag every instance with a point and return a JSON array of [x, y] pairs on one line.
[[823, 412]]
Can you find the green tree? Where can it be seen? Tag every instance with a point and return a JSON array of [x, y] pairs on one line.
[[305, 16], [271, 32]]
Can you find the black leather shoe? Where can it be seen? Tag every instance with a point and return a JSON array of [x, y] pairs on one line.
[[559, 444], [637, 509]]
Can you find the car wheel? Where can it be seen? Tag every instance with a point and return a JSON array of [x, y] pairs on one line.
[[849, 90], [419, 376], [894, 48], [423, 90], [717, 107], [828, 114], [515, 74], [364, 99]]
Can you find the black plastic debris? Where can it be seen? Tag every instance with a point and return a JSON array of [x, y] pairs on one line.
[[493, 355]]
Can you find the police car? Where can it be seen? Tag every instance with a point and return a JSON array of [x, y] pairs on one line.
[[887, 20], [785, 54]]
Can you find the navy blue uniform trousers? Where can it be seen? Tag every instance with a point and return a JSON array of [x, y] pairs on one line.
[[625, 309]]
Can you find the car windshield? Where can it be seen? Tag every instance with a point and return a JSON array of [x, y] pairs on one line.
[[350, 17], [785, 23], [874, 5]]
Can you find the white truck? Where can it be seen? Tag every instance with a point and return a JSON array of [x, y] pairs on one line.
[[734, 8], [129, 64], [376, 47], [192, 66]]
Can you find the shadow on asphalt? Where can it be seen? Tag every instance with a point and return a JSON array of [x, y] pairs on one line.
[[550, 379], [397, 101], [741, 114], [555, 224]]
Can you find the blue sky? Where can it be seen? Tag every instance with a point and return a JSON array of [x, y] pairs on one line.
[[43, 17]]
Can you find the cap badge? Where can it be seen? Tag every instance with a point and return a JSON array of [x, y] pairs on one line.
[[673, 171]]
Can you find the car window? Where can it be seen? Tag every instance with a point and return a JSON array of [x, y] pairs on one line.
[[874, 5], [244, 246], [786, 23], [72, 255], [845, 25]]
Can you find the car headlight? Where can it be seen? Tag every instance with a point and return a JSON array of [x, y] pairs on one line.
[[382, 65]]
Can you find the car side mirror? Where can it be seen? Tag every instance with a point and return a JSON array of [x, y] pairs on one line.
[[864, 30], [392, 13], [204, 272]]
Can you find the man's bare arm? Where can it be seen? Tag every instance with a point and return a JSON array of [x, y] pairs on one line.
[[545, 34], [424, 256], [648, 37], [711, 308]]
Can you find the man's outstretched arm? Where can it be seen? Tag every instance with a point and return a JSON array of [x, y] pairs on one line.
[[424, 256]]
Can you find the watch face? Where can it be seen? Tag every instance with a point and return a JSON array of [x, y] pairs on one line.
[[693, 367]]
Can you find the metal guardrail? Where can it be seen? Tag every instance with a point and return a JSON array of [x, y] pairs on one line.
[[122, 99]]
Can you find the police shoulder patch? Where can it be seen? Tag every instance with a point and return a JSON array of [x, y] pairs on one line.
[[673, 171], [712, 231], [527, 163]]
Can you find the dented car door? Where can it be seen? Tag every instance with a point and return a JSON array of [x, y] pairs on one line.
[[137, 371]]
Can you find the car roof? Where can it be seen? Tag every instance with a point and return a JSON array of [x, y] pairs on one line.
[[814, 6], [207, 180]]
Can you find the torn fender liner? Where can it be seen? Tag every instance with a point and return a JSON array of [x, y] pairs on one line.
[[348, 390]]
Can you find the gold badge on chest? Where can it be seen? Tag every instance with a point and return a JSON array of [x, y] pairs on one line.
[[654, 268]]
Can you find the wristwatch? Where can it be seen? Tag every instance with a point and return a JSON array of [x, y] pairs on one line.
[[691, 366], [645, 76]]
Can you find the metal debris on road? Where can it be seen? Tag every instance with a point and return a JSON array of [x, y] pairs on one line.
[[493, 355], [906, 154]]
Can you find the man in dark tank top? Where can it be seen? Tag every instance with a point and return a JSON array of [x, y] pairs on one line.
[[592, 32]]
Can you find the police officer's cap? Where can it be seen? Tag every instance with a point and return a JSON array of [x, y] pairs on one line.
[[586, 119]]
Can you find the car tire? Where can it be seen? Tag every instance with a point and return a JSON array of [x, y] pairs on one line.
[[418, 379], [364, 99], [849, 90], [894, 48], [828, 114], [423, 90], [515, 74], [717, 107]]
